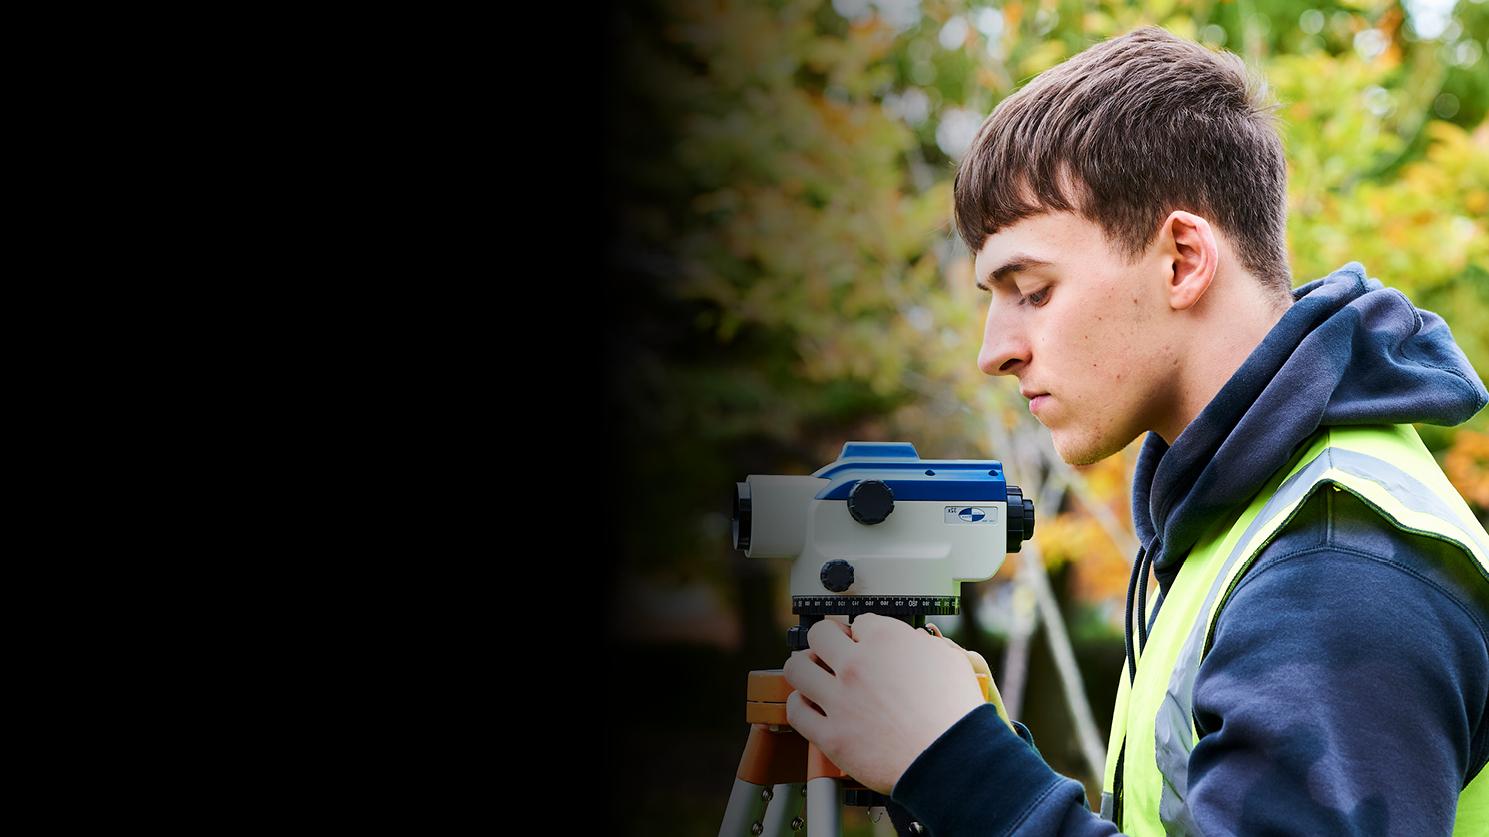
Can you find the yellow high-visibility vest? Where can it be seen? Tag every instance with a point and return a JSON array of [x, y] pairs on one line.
[[1153, 732]]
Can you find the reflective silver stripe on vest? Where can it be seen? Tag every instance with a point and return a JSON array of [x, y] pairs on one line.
[[1173, 732], [1404, 488]]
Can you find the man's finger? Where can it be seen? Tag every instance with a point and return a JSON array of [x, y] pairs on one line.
[[870, 624], [830, 640], [974, 659], [804, 675], [979, 663], [803, 717]]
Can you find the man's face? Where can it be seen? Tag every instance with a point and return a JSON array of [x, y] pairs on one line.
[[1086, 331]]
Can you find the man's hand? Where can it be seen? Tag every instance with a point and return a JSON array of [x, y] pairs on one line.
[[873, 697]]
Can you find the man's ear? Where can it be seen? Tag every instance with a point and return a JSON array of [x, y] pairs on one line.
[[1191, 244]]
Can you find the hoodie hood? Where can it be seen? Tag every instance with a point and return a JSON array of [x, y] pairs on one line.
[[1348, 351]]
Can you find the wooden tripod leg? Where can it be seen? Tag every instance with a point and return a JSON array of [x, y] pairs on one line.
[[773, 766]]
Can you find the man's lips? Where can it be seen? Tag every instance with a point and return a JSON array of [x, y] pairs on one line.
[[1036, 399]]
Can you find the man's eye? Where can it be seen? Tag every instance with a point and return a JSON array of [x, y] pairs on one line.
[[1037, 298]]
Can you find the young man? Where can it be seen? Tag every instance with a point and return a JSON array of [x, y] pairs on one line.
[[1316, 659]]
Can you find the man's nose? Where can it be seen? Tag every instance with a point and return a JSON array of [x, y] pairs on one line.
[[1003, 349]]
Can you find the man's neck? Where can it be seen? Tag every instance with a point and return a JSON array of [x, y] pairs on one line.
[[1225, 336]]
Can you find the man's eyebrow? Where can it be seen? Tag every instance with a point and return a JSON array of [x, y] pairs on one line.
[[1012, 266]]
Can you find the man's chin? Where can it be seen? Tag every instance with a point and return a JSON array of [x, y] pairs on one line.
[[1080, 451]]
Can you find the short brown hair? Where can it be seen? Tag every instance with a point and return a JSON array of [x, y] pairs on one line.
[[1137, 126]]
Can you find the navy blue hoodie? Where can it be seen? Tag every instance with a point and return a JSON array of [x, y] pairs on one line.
[[1346, 690]]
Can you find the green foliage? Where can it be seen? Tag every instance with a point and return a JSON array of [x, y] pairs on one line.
[[784, 192]]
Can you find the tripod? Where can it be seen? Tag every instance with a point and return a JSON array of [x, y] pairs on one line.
[[779, 766]]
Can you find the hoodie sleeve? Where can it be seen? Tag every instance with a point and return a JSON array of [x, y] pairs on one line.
[[979, 778], [1344, 694]]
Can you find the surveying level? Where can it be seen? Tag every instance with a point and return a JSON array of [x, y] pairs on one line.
[[879, 531]]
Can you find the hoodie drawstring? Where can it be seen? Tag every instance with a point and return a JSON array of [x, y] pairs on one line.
[[1137, 585], [1142, 600]]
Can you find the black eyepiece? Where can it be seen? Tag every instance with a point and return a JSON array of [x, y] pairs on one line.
[[741, 524], [1020, 519]]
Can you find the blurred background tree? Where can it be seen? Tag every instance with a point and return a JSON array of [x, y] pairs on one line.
[[783, 277]]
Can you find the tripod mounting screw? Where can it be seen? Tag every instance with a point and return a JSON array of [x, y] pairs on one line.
[[837, 575], [870, 502]]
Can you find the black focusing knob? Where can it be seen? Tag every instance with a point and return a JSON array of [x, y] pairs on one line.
[[796, 637], [870, 502], [837, 575]]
